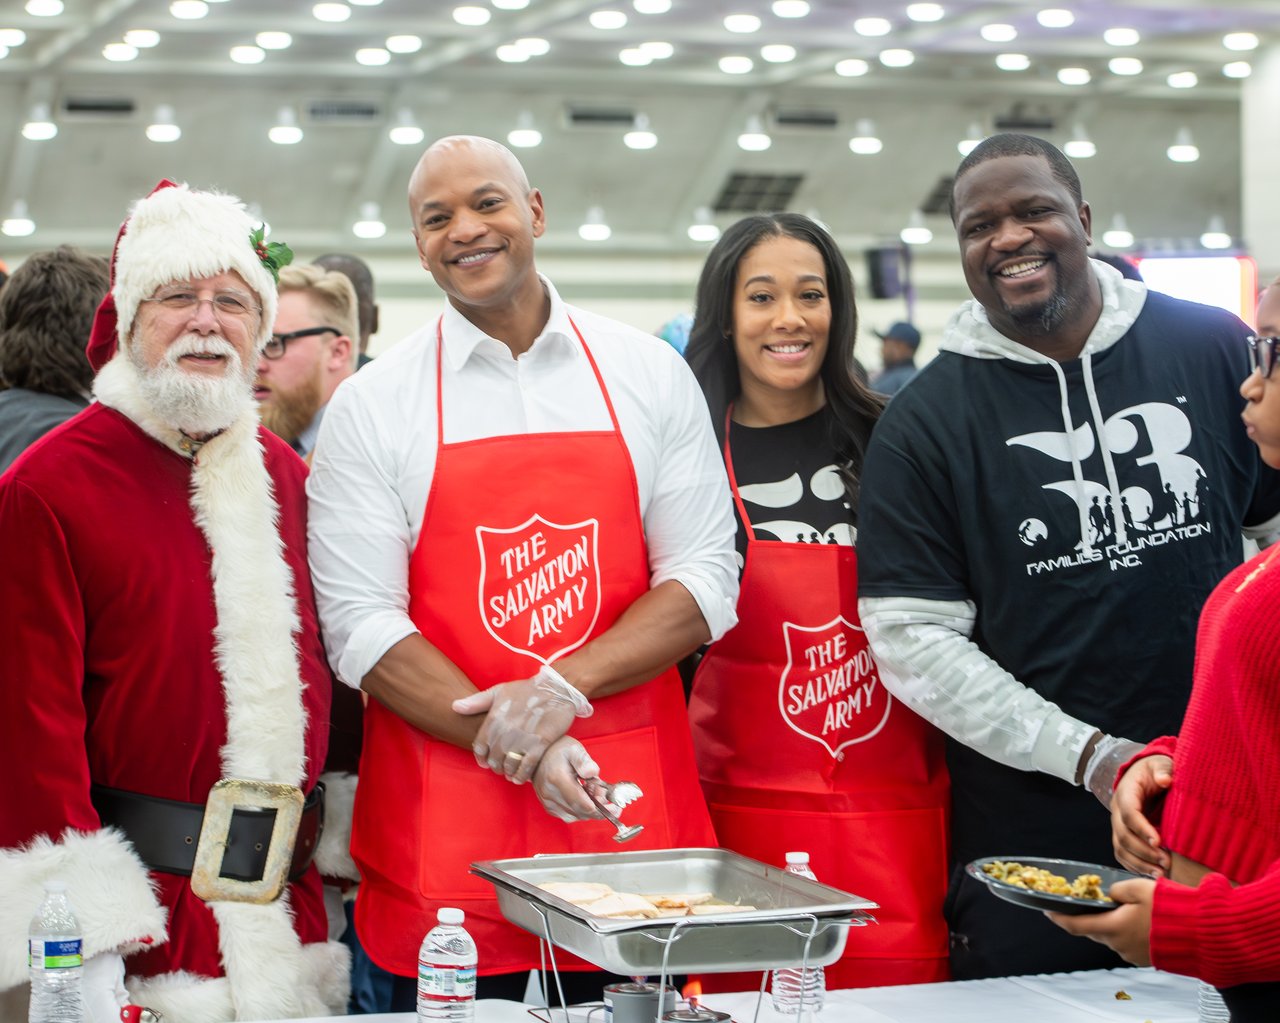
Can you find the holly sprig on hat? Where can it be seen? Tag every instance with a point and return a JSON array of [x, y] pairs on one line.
[[273, 255]]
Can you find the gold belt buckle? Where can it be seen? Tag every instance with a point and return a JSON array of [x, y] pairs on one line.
[[231, 794]]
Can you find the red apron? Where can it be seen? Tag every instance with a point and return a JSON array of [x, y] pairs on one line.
[[799, 746], [531, 545]]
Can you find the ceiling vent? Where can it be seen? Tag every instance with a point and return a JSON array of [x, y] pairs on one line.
[[97, 107], [757, 193], [343, 111], [938, 201], [600, 117], [823, 120], [1019, 118]]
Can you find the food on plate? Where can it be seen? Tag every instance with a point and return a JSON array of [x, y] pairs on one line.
[[602, 900], [1086, 886]]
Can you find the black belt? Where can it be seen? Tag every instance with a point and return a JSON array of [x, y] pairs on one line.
[[165, 832]]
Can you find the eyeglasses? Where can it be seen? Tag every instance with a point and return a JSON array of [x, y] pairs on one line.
[[275, 347], [1262, 353], [227, 305]]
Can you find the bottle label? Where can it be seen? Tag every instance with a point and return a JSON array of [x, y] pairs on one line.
[[446, 983], [55, 954]]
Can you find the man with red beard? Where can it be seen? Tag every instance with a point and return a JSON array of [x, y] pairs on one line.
[[163, 690], [311, 351]]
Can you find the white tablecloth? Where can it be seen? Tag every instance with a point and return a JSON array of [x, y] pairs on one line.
[[1087, 997]]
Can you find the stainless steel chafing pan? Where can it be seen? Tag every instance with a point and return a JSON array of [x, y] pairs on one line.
[[788, 909]]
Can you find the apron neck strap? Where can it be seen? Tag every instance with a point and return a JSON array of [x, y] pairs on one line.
[[733, 479]]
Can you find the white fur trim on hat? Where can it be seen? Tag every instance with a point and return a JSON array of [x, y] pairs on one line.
[[176, 234]]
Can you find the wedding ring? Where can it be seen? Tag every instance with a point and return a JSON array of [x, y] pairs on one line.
[[515, 756]]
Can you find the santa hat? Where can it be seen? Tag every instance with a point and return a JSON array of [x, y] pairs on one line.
[[177, 234]]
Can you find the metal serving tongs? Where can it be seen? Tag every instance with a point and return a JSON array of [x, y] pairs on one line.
[[620, 795]]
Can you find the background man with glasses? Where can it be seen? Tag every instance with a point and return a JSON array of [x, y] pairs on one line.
[[160, 636], [1035, 637], [310, 352]]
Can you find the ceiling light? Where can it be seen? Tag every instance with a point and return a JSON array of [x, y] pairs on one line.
[[506, 5], [658, 50], [286, 131], [524, 135], [120, 52], [640, 137], [472, 16], [12, 37], [189, 10], [778, 53], [404, 44], [872, 26], [1012, 61], [274, 40], [1124, 66], [1183, 80], [18, 224], [634, 56], [44, 8], [1056, 17], [1183, 149], [743, 23], [405, 132], [248, 54], [754, 138], [865, 141], [39, 126], [143, 38], [608, 21], [897, 58], [1240, 41], [651, 6], [1080, 146], [736, 65], [1121, 37], [916, 233], [1237, 69], [975, 135], [534, 46], [370, 224], [331, 12], [925, 12], [703, 229], [510, 53], [999, 33], [373, 56], [594, 228], [163, 128], [376, 3], [790, 9], [4, 52], [1074, 76], [853, 67], [1118, 236], [1216, 236]]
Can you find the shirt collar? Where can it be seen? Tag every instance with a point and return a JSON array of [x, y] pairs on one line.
[[306, 440], [466, 339]]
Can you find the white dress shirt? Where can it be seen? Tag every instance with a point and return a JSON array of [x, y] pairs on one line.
[[376, 456]]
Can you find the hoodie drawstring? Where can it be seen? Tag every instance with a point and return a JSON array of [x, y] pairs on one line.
[[1113, 483], [1077, 472]]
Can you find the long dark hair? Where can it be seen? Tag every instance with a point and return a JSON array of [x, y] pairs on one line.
[[714, 361]]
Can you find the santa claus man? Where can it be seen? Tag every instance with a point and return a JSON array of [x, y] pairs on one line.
[[163, 692]]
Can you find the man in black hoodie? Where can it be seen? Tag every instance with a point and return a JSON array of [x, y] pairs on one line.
[[994, 607]]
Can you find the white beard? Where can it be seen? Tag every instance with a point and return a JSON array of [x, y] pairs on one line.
[[195, 403]]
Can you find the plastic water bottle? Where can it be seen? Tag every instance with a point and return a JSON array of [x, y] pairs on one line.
[[55, 960], [795, 988], [447, 971]]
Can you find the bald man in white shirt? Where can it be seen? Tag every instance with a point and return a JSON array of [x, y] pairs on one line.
[[519, 523]]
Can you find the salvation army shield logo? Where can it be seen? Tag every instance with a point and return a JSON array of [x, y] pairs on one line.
[[830, 690], [540, 585]]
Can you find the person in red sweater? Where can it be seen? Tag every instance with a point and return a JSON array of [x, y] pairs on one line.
[[1196, 812]]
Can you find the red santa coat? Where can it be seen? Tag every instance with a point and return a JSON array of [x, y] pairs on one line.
[[150, 612]]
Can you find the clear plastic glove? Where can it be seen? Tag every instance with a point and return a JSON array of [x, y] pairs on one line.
[[556, 781], [103, 988], [1103, 764], [524, 718]]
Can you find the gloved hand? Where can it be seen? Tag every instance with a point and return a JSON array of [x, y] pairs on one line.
[[103, 989], [556, 781], [524, 718], [1103, 763]]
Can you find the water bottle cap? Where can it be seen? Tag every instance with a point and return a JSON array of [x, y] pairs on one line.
[[797, 857], [450, 917], [55, 884]]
